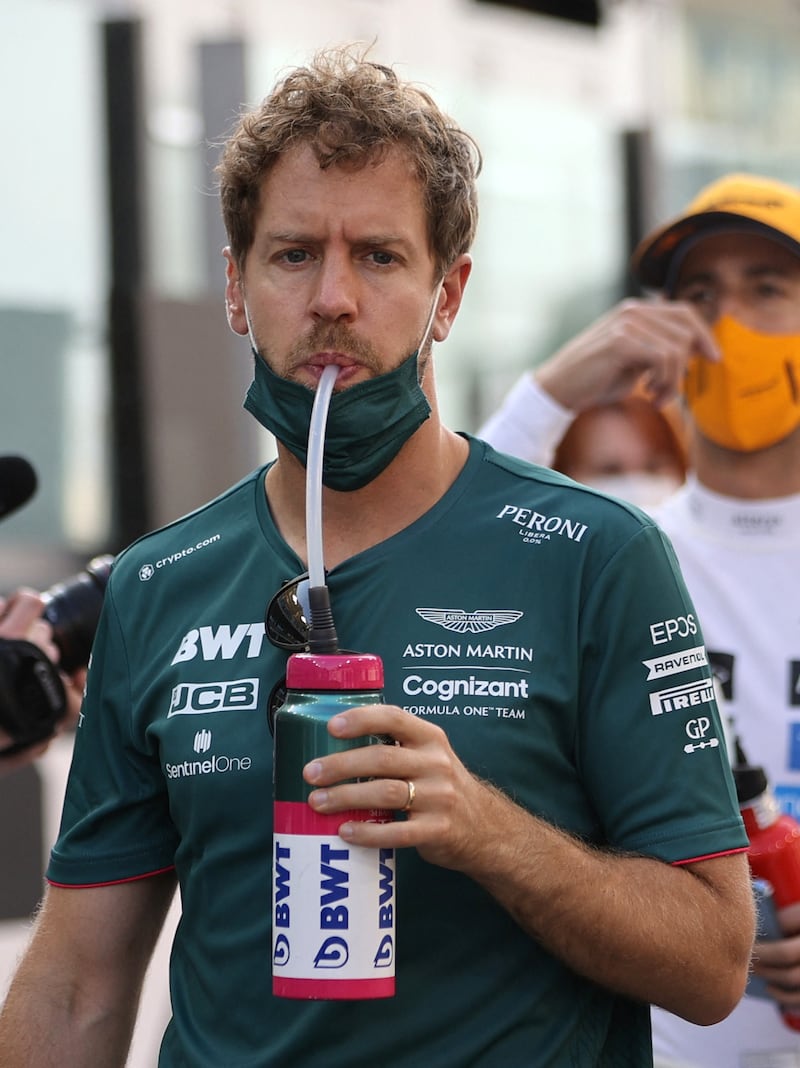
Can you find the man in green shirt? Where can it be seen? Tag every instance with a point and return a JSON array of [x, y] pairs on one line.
[[571, 849]]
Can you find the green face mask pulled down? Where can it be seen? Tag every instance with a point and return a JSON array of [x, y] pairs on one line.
[[367, 424]]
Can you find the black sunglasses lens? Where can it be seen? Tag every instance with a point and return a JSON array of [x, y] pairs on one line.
[[288, 616], [276, 698]]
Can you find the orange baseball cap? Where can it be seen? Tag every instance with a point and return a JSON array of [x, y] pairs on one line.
[[739, 203]]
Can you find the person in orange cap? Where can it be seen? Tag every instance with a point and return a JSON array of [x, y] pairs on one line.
[[721, 328]]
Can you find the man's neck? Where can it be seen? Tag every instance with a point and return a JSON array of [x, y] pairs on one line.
[[417, 478], [749, 476]]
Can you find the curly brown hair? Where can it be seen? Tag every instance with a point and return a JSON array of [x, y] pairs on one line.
[[351, 111]]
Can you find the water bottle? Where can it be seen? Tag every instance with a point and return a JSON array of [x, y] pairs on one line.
[[767, 930], [333, 904], [774, 851]]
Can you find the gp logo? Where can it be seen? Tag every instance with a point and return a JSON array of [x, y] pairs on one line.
[[698, 730]]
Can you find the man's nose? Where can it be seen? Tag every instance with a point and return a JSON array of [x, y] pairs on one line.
[[335, 294], [729, 302]]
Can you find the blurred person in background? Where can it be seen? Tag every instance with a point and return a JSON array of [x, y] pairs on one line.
[[627, 447], [21, 618], [725, 333]]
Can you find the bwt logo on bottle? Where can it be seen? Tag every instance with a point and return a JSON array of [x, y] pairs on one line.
[[333, 918]]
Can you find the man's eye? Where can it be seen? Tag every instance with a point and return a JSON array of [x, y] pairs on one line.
[[382, 258], [769, 289], [697, 296], [295, 255]]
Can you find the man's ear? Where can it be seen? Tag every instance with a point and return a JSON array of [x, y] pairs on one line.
[[234, 295], [450, 296]]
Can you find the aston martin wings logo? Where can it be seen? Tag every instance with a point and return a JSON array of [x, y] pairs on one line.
[[462, 622]]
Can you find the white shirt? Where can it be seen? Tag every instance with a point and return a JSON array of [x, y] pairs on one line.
[[741, 562]]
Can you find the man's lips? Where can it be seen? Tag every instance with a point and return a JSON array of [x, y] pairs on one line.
[[316, 364], [323, 359]]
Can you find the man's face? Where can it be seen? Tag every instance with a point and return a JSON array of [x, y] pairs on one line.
[[749, 277], [340, 270]]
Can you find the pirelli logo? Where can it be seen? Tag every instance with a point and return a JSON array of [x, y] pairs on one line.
[[678, 698]]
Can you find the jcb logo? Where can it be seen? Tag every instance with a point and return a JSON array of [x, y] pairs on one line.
[[197, 698]]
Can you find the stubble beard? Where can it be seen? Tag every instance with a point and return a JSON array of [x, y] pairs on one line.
[[338, 337]]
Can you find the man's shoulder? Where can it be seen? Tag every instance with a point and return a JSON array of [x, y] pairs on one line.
[[558, 490], [189, 533]]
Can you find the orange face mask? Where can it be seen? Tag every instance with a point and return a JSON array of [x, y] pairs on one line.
[[751, 398]]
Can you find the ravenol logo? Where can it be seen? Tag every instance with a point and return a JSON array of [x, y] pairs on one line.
[[675, 663], [682, 697]]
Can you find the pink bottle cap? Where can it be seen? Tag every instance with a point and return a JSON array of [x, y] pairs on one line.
[[334, 671]]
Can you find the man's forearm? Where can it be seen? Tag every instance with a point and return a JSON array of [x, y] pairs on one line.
[[75, 995], [672, 936], [48, 1023]]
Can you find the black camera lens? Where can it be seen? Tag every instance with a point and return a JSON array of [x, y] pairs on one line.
[[73, 609], [32, 697]]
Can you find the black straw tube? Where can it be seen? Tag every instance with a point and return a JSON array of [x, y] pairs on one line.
[[322, 637]]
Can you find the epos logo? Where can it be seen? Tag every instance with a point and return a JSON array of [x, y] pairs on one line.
[[667, 629], [199, 698]]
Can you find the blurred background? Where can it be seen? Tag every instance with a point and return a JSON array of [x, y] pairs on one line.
[[120, 380]]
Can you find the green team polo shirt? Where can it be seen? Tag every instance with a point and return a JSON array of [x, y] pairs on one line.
[[543, 625]]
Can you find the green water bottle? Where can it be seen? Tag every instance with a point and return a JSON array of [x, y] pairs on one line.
[[333, 903]]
